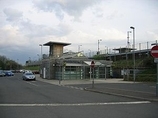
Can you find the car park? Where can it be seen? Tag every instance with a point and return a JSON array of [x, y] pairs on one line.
[[28, 76]]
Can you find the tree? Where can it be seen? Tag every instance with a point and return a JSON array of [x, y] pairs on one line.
[[7, 64]]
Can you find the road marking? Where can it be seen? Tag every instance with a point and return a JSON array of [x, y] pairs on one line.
[[72, 87], [32, 83], [77, 104]]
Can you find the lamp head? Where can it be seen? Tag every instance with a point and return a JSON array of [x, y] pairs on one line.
[[154, 44], [132, 27]]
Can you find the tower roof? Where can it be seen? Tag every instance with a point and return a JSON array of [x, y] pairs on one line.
[[50, 43]]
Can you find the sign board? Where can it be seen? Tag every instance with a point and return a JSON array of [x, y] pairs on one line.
[[92, 64], [154, 51]]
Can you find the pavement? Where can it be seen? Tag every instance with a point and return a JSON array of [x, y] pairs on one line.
[[116, 87]]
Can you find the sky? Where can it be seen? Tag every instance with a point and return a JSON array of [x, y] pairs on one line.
[[24, 24]]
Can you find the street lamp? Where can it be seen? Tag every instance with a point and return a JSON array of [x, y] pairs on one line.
[[79, 47], [89, 52], [133, 28], [38, 56], [106, 50], [98, 45], [17, 64], [128, 43], [41, 50]]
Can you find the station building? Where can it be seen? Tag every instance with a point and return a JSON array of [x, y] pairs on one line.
[[71, 65]]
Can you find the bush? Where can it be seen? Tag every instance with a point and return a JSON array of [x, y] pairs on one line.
[[148, 75]]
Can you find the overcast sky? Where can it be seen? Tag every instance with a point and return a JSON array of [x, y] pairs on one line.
[[24, 24]]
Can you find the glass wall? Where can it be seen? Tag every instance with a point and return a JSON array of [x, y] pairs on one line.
[[72, 72], [80, 72]]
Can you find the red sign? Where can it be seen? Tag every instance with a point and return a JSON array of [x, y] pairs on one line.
[[154, 51], [92, 64]]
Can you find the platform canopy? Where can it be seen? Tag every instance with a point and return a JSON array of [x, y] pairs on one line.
[[123, 50]]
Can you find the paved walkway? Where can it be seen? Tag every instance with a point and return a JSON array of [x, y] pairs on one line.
[[117, 87], [84, 81]]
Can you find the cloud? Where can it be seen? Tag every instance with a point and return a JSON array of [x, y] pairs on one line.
[[12, 14], [98, 12], [89, 39], [63, 29], [15, 45], [50, 6], [71, 7], [32, 30], [153, 35], [11, 36]]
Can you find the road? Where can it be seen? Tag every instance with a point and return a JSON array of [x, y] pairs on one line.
[[36, 99]]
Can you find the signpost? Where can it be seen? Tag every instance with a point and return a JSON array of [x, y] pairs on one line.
[[92, 66], [154, 53]]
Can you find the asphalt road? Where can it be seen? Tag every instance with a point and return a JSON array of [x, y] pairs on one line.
[[36, 99]]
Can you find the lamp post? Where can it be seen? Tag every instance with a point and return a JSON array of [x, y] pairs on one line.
[[17, 64], [79, 47], [98, 45], [89, 52], [128, 32], [41, 50], [38, 57], [106, 50], [128, 44], [133, 28]]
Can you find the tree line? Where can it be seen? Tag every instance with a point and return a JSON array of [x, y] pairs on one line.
[[8, 64]]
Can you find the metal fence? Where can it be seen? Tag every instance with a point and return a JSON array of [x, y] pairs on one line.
[[138, 46]]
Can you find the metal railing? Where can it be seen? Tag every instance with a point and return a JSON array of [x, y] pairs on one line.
[[138, 47]]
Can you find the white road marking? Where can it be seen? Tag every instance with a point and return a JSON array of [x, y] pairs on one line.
[[77, 104], [72, 87], [32, 83]]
